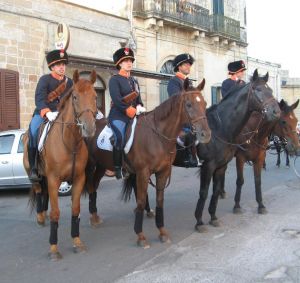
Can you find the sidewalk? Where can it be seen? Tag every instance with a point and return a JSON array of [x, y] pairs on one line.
[[246, 248]]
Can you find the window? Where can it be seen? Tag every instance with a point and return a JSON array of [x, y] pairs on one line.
[[6, 143], [218, 7], [21, 145], [215, 95], [167, 68]]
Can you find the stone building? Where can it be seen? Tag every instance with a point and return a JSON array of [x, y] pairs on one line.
[[213, 31]]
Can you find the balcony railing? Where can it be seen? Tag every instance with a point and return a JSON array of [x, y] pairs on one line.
[[174, 11], [225, 26]]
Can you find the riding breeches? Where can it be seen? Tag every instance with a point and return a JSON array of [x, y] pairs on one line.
[[35, 123], [119, 129]]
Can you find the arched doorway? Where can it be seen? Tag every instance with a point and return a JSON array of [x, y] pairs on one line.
[[167, 68], [99, 88]]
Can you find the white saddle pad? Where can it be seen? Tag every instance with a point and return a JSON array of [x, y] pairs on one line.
[[43, 136], [103, 140]]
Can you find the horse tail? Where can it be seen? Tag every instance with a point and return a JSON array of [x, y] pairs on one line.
[[128, 185], [32, 202]]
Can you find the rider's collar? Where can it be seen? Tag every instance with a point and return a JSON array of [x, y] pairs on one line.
[[180, 75], [123, 73], [56, 76]]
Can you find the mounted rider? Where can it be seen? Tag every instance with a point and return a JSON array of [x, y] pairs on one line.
[[49, 90], [182, 66], [236, 71], [126, 102]]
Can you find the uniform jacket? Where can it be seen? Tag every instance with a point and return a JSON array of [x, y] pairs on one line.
[[47, 84], [119, 87], [175, 86], [228, 84]]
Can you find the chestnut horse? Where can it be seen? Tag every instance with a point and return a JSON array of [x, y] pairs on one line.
[[64, 155], [255, 151], [226, 120], [153, 152]]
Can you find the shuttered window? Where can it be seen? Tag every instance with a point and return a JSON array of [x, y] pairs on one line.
[[9, 100]]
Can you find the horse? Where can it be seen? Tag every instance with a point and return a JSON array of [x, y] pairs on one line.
[[64, 156], [226, 120], [255, 150], [153, 152]]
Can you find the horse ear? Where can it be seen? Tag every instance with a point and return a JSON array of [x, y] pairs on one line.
[[282, 104], [295, 105], [255, 75], [266, 77], [93, 76], [201, 85], [186, 84], [76, 76]]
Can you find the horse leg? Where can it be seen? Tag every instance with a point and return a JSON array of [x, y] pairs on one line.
[[218, 177], [240, 162], [287, 162], [77, 187], [161, 180], [95, 219], [222, 192], [278, 156], [40, 217], [53, 185], [45, 203], [142, 178], [205, 176], [257, 177]]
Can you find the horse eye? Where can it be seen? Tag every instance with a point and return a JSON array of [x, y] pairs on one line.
[[188, 104], [283, 122]]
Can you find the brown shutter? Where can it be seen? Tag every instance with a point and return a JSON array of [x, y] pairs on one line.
[[9, 100]]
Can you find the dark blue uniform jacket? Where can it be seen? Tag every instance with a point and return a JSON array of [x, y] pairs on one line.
[[175, 86], [119, 87], [47, 84], [229, 84]]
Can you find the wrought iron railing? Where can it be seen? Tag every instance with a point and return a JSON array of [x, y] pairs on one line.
[[178, 11], [225, 26]]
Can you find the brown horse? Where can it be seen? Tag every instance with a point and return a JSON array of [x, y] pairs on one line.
[[152, 152], [64, 155], [255, 150]]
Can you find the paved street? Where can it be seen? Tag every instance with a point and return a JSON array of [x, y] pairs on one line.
[[246, 248]]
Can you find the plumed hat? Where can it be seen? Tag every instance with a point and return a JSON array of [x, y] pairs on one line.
[[182, 58], [122, 54], [56, 56], [236, 66]]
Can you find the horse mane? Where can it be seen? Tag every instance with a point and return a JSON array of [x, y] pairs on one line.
[[234, 90], [163, 110], [64, 99]]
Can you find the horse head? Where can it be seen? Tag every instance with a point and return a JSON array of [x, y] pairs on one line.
[[286, 126], [195, 111], [84, 103], [263, 99]]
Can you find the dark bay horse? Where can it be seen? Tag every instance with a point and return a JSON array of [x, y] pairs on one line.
[[153, 151], [226, 121], [64, 155], [255, 150]]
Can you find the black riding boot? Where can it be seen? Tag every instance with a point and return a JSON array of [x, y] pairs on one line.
[[117, 158], [190, 161], [33, 176]]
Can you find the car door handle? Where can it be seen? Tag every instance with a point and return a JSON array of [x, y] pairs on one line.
[[4, 162]]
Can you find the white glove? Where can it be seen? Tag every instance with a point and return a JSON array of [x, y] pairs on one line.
[[51, 115], [140, 109]]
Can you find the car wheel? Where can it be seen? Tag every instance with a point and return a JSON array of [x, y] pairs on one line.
[[65, 189]]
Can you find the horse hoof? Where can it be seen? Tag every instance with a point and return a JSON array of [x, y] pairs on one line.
[[215, 223], [79, 249], [150, 214], [40, 219], [262, 210], [54, 256], [201, 228], [223, 195], [164, 239], [143, 244], [237, 210], [41, 223], [95, 221]]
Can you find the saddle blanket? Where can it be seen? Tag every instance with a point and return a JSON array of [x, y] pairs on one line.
[[103, 140], [43, 136]]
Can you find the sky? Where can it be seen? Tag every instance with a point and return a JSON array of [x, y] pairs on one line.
[[273, 32]]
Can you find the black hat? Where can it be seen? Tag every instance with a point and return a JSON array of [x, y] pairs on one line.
[[182, 58], [56, 56], [236, 66], [122, 54]]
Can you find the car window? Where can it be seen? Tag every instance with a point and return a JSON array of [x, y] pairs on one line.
[[6, 143], [21, 145]]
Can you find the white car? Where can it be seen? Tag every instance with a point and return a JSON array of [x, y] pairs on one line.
[[12, 171]]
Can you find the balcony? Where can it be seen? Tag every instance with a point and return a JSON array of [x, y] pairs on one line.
[[225, 27], [173, 12]]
